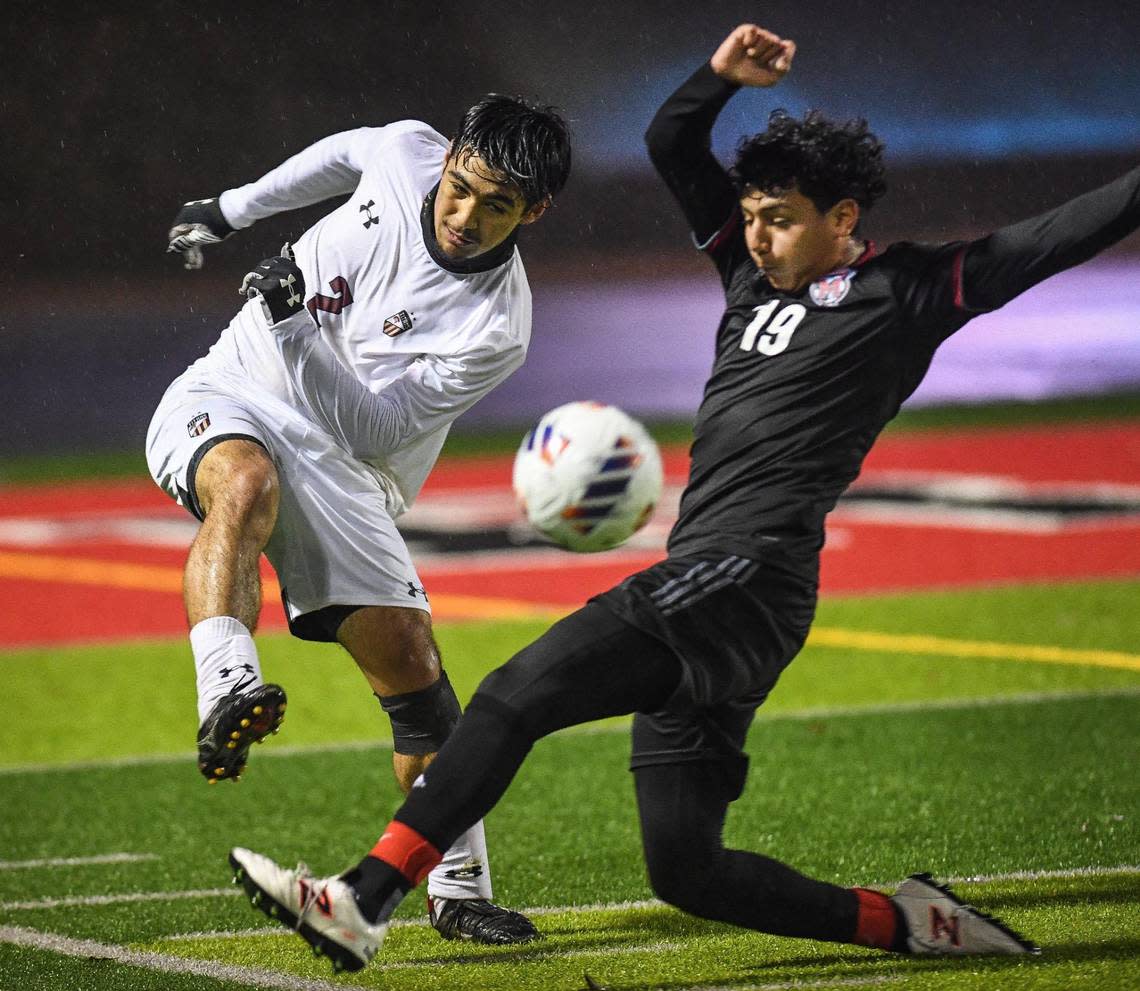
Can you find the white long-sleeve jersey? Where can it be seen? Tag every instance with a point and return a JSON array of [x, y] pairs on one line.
[[426, 337]]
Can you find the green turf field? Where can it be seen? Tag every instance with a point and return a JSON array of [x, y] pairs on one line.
[[867, 764]]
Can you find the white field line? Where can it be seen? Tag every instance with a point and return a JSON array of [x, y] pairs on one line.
[[103, 858], [841, 982], [167, 963], [164, 963], [78, 901], [537, 955], [789, 715], [84, 901], [173, 964]]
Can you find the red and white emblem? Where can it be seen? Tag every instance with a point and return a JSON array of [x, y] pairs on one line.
[[198, 425], [397, 323], [833, 288]]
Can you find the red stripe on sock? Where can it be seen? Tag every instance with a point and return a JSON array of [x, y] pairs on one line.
[[403, 848], [877, 920]]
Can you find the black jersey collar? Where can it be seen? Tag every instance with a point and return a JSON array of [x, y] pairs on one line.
[[480, 263], [869, 251]]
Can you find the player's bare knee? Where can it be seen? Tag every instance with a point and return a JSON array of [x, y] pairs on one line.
[[393, 646], [238, 478]]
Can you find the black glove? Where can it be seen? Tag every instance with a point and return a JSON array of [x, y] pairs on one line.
[[279, 284], [199, 222]]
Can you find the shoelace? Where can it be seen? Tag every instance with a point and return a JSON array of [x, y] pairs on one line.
[[311, 895]]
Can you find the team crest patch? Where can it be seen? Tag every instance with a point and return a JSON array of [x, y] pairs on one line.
[[199, 425], [832, 289], [397, 323]]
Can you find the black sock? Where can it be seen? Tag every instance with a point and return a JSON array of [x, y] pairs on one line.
[[902, 933], [378, 887]]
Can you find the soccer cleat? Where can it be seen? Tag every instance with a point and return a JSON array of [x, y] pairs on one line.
[[323, 911], [938, 923], [480, 921], [234, 724]]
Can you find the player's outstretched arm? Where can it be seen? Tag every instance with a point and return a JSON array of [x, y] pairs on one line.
[[330, 167], [679, 137], [997, 268]]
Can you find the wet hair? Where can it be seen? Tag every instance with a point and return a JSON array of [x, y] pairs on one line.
[[826, 161], [525, 144]]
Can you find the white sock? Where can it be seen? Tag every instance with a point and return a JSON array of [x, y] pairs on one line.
[[464, 871], [226, 660]]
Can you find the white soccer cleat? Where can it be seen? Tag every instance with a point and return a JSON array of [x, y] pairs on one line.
[[939, 924], [323, 911]]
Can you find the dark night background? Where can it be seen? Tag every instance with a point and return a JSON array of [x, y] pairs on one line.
[[115, 113]]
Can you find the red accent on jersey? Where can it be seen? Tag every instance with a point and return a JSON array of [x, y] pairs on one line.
[[959, 294], [723, 234]]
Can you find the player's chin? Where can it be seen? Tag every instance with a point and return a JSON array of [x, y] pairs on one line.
[[458, 247]]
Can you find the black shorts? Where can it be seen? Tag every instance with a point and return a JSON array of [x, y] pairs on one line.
[[735, 623]]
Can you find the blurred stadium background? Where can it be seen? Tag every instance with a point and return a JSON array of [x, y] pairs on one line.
[[114, 114], [980, 586]]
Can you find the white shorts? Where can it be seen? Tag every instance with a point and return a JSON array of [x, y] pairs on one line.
[[335, 544]]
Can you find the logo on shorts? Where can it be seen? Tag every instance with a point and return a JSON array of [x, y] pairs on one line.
[[832, 289], [414, 590], [397, 323], [199, 425]]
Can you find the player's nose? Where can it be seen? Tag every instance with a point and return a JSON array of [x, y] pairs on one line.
[[757, 242], [466, 218]]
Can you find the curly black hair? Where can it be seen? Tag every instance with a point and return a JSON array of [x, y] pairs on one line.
[[527, 144], [826, 161]]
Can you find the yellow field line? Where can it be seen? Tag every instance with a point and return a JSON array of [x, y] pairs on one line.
[[87, 571], [895, 643], [163, 578]]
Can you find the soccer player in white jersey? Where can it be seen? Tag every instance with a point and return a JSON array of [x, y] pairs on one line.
[[416, 291]]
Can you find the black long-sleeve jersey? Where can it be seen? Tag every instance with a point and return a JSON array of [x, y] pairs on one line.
[[803, 382]]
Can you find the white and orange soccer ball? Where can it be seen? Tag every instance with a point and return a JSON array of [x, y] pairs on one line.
[[588, 476]]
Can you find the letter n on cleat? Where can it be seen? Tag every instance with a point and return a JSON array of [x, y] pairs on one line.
[[941, 926]]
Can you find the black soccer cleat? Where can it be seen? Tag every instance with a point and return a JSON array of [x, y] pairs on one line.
[[233, 726], [480, 921]]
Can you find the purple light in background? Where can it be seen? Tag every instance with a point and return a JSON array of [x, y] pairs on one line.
[[647, 346]]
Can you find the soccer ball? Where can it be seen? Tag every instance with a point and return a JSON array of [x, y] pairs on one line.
[[587, 476]]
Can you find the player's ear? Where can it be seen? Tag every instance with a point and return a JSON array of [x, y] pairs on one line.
[[534, 212], [844, 217]]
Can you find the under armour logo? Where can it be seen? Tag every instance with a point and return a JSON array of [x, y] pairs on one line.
[[226, 672], [294, 298], [414, 590], [367, 208]]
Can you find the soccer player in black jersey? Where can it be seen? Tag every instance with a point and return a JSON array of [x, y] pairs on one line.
[[822, 338]]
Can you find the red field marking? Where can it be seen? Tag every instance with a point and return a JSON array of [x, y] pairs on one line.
[[64, 605], [1070, 453]]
